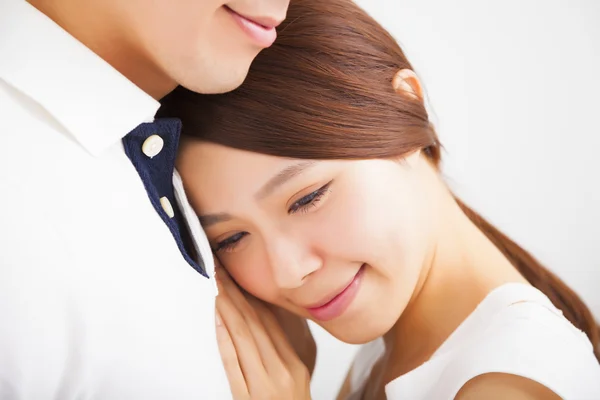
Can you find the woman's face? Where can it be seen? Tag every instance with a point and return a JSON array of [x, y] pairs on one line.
[[340, 242]]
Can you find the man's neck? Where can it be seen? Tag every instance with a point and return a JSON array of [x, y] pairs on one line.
[[97, 31]]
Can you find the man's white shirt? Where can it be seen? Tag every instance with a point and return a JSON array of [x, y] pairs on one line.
[[96, 299]]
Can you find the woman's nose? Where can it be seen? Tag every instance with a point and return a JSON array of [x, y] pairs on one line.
[[292, 261]]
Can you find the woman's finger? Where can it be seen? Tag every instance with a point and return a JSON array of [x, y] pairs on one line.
[[268, 352], [237, 383], [276, 334], [298, 333], [249, 358]]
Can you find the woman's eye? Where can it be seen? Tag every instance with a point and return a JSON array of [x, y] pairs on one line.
[[310, 200], [230, 243]]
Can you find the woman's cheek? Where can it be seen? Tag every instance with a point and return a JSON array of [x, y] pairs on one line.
[[254, 276], [347, 227]]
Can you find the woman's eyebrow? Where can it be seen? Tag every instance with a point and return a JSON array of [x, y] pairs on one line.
[[282, 177], [269, 187], [212, 219]]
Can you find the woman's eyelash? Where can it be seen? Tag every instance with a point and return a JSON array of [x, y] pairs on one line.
[[302, 205], [230, 243], [310, 200]]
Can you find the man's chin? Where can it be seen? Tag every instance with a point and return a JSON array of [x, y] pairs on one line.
[[233, 84], [220, 84]]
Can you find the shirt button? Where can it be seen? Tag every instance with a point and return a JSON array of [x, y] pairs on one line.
[[166, 205], [152, 146]]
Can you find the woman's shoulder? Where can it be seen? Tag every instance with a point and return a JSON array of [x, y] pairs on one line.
[[515, 344], [528, 342], [499, 386]]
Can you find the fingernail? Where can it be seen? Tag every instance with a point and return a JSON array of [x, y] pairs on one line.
[[218, 319]]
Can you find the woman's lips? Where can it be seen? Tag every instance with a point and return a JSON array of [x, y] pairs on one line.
[[337, 303], [262, 30]]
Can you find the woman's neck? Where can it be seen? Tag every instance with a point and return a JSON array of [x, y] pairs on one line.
[[462, 270]]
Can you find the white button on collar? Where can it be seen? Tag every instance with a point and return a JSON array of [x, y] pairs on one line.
[[152, 146], [166, 205]]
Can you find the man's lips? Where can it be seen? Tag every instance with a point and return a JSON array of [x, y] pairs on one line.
[[264, 21], [260, 29]]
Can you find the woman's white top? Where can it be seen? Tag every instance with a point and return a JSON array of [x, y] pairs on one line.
[[514, 330]]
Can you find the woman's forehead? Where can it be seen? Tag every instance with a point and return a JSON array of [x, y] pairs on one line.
[[217, 168], [207, 153]]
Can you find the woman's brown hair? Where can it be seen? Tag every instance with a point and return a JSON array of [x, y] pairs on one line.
[[324, 91]]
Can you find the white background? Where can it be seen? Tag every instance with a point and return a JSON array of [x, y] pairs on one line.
[[514, 90]]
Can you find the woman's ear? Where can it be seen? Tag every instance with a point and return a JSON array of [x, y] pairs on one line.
[[406, 81]]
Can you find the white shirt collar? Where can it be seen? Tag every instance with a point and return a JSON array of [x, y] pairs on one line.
[[91, 99]]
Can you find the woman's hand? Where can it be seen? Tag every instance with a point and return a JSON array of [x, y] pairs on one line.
[[298, 333], [259, 361]]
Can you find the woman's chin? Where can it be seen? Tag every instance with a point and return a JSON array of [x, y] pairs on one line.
[[358, 334]]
